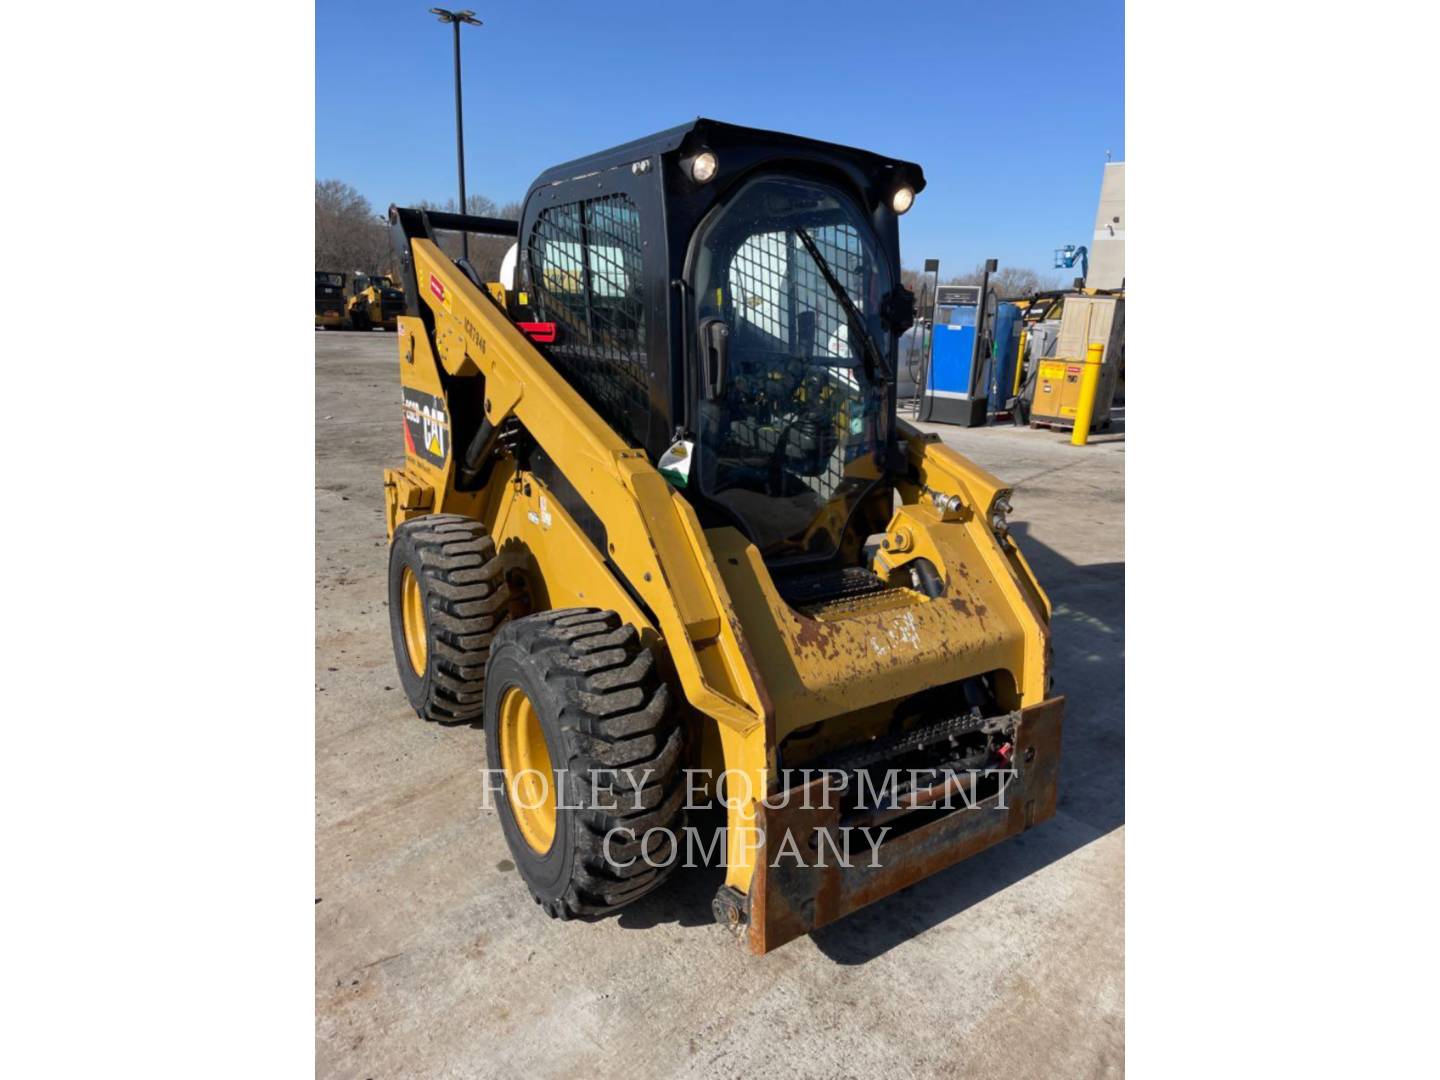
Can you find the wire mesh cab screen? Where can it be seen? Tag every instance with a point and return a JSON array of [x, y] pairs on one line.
[[789, 443], [587, 277]]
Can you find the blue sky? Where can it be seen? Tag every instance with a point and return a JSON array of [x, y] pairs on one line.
[[1008, 108]]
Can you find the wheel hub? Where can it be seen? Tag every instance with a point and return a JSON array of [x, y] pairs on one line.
[[412, 618], [529, 779]]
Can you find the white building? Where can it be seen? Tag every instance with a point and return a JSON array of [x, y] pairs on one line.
[[1107, 249]]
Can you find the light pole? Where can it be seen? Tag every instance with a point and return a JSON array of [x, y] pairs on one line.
[[455, 18]]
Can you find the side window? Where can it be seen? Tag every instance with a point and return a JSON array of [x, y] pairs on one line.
[[586, 275]]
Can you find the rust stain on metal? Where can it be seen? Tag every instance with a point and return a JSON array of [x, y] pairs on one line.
[[816, 635], [789, 901]]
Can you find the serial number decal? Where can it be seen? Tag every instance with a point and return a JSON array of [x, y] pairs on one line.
[[427, 428], [473, 333]]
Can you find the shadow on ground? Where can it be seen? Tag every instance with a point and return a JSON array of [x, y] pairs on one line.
[[1089, 640]]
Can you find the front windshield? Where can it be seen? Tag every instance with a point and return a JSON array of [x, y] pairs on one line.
[[789, 443], [329, 279]]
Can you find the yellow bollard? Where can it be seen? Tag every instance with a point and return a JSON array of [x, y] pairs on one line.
[[1089, 383], [1019, 364]]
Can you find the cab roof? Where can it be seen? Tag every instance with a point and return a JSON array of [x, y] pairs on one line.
[[715, 134]]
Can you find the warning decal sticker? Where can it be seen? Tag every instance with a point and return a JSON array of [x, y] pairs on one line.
[[437, 289], [427, 428]]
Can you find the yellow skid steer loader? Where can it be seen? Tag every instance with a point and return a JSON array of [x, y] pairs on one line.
[[374, 301], [660, 526]]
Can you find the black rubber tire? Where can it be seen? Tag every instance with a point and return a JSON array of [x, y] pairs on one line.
[[608, 725], [462, 587]]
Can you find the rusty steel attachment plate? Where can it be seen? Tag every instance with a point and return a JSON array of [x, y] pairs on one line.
[[800, 884]]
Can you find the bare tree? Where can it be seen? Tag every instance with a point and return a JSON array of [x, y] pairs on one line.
[[1009, 282], [486, 252], [349, 235], [914, 279]]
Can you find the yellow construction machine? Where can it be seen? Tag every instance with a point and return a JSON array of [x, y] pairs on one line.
[[375, 300], [658, 524]]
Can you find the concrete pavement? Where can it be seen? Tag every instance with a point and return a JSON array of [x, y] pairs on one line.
[[431, 959]]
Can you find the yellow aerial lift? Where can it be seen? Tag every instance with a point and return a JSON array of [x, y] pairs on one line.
[[659, 525]]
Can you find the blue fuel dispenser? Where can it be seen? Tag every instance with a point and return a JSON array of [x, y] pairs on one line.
[[958, 376]]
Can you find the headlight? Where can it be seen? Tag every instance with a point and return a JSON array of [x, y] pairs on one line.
[[703, 167], [903, 198]]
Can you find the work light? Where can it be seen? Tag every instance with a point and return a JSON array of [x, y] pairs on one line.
[[903, 198], [703, 166]]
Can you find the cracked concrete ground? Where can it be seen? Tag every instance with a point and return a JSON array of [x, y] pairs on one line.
[[431, 960]]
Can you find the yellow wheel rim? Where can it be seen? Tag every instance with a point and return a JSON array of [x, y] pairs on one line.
[[529, 780], [412, 619]]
